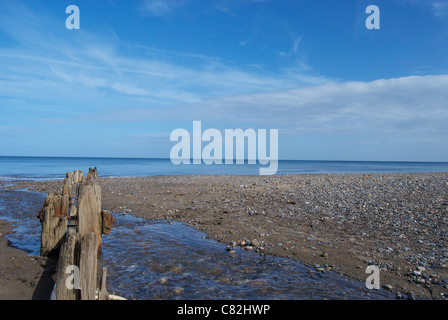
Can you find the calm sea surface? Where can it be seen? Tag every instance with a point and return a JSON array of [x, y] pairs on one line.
[[55, 168]]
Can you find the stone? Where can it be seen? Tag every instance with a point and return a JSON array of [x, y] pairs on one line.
[[176, 270], [411, 296], [421, 269], [388, 287], [178, 290], [255, 243]]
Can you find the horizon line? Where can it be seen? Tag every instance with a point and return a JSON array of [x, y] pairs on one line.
[[191, 159]]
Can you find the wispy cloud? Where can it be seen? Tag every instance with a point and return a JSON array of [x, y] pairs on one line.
[[439, 8], [158, 135], [137, 89], [93, 66], [408, 105], [401, 108], [55, 77], [10, 132], [162, 7]]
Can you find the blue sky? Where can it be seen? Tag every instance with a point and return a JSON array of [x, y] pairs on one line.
[[136, 70]]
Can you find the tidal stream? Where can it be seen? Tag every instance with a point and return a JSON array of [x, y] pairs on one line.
[[170, 260]]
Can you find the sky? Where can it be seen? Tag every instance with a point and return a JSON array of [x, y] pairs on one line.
[[137, 70]]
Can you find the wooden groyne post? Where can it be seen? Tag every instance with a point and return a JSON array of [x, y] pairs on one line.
[[78, 244], [53, 218]]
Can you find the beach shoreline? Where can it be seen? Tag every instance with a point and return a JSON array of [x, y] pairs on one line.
[[339, 222]]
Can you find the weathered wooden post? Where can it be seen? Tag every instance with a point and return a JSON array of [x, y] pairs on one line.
[[69, 257], [78, 176], [88, 264], [73, 211], [89, 210], [102, 294], [67, 187], [53, 218], [78, 247], [93, 174]]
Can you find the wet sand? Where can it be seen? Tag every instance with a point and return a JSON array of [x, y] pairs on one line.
[[22, 277], [340, 222]]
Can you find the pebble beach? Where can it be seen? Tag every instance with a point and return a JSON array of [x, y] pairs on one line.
[[330, 222]]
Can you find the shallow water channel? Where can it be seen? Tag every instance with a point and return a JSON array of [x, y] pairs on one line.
[[170, 260]]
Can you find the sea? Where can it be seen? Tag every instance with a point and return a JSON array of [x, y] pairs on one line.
[[47, 168]]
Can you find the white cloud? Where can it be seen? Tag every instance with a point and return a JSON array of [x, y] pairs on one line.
[[409, 109], [129, 89], [98, 66]]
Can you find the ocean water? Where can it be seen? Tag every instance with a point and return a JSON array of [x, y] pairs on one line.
[[56, 167]]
